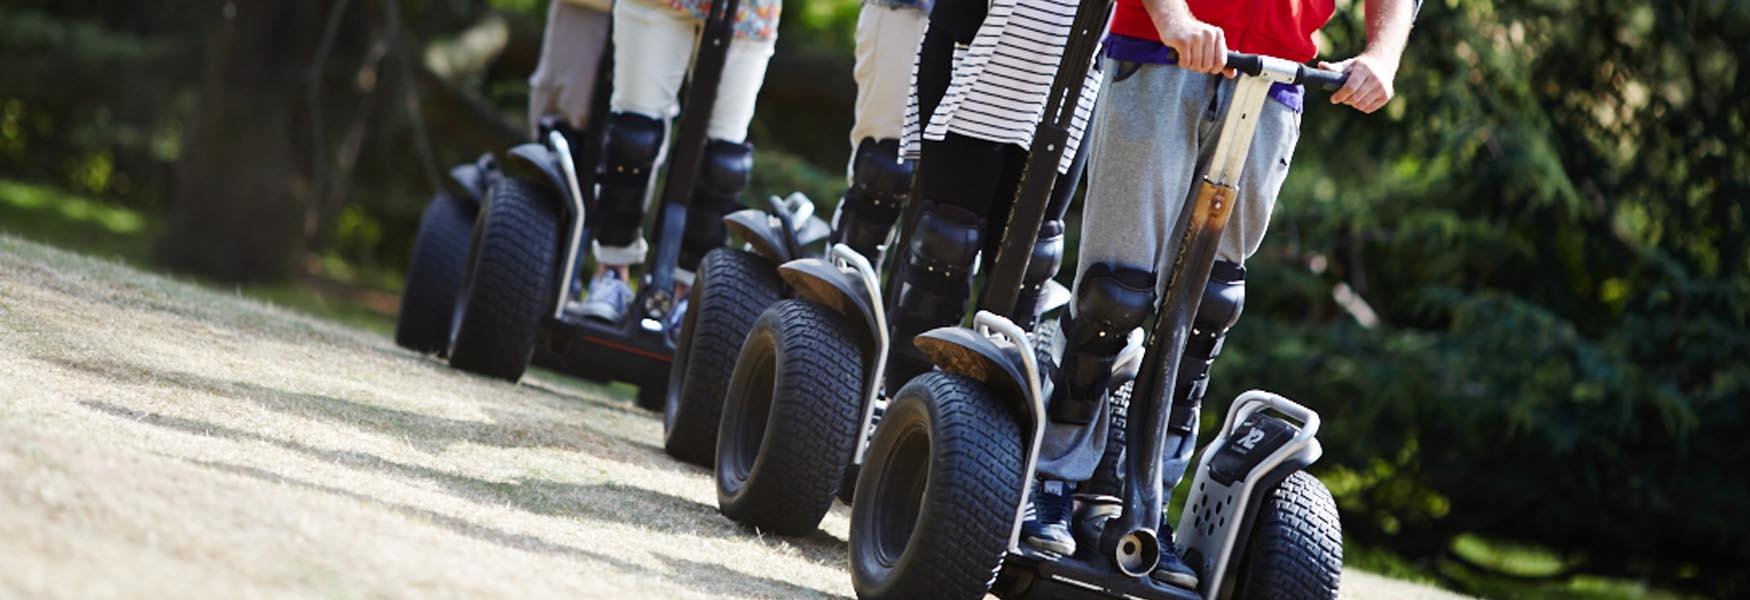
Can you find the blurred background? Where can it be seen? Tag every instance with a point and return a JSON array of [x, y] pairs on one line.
[[1519, 294]]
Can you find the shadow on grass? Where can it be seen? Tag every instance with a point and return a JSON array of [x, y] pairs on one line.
[[718, 580], [611, 503], [706, 578], [508, 429]]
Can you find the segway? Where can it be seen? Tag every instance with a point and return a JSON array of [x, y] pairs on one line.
[[440, 255], [733, 286], [942, 495], [528, 255]]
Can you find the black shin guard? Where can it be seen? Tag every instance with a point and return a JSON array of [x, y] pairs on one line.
[[629, 155], [1047, 258], [1110, 302], [723, 175], [1223, 298], [880, 183], [934, 282]]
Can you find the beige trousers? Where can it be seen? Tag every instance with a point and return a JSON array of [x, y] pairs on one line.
[[887, 46], [571, 52]]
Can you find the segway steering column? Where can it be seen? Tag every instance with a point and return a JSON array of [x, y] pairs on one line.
[[1210, 204]]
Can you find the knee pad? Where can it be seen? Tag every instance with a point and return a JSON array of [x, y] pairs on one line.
[[944, 244], [1223, 298], [880, 184], [1110, 302], [724, 172], [629, 156], [1041, 267]]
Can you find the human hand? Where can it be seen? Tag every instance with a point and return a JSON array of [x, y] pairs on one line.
[[1370, 82], [1202, 48]]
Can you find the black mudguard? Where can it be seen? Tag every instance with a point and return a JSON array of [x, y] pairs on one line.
[[819, 281], [965, 352], [765, 233]]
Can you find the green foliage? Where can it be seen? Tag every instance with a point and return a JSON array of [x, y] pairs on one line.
[[1549, 223]]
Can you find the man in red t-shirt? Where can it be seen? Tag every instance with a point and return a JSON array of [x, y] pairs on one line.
[[1162, 102]]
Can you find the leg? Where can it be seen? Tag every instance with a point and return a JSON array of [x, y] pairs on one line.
[[1141, 144], [887, 45], [880, 182], [1142, 149], [1266, 167], [651, 52], [722, 177], [880, 185], [649, 66], [728, 160], [934, 274], [564, 82], [1048, 249]]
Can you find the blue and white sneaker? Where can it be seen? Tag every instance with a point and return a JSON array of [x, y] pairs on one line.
[[1172, 569], [608, 297], [1047, 518]]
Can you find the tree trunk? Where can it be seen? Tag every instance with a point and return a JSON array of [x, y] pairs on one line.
[[238, 208]]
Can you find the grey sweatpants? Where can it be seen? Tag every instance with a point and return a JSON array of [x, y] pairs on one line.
[[1151, 138]]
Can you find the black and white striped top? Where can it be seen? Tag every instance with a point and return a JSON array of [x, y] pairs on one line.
[[1000, 82]]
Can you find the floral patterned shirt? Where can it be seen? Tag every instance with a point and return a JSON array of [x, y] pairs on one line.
[[754, 19]]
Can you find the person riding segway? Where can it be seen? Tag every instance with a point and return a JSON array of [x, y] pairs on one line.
[[566, 93], [927, 520], [550, 214], [807, 384]]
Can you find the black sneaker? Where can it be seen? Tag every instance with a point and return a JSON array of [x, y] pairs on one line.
[[1047, 524], [1172, 569]]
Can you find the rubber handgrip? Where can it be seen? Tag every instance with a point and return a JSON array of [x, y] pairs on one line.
[[1320, 78]]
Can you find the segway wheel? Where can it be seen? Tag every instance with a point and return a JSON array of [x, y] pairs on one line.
[[1296, 549], [651, 397], [510, 272], [937, 494], [730, 291], [790, 418], [434, 275]]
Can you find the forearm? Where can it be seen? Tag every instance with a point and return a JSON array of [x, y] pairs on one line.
[[1165, 12], [1388, 28]]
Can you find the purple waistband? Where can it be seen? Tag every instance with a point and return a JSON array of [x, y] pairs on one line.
[[1152, 52]]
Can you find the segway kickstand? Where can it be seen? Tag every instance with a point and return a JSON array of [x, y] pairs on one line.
[[656, 299]]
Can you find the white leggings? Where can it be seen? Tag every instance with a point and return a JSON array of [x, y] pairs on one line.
[[653, 48]]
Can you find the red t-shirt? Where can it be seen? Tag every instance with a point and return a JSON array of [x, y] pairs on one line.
[[1280, 28]]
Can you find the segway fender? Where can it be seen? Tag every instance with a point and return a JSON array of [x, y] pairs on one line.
[[535, 163], [472, 177], [819, 281], [964, 352], [762, 231]]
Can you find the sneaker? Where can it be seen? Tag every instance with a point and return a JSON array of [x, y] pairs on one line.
[[608, 297], [1172, 569], [1047, 520]]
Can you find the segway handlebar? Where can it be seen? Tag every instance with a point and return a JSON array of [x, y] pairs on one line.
[[1255, 65]]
